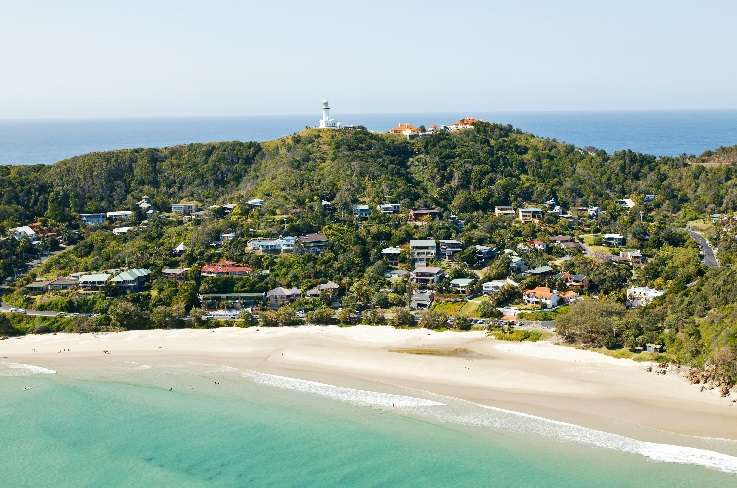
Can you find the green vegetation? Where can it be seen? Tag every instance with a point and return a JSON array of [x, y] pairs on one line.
[[519, 335], [464, 173]]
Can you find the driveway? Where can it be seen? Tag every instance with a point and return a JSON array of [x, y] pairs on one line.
[[710, 258]]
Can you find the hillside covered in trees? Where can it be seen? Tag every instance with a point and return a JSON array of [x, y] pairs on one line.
[[461, 172], [464, 174]]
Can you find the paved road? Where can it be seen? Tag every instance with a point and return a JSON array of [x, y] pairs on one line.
[[709, 258], [5, 308]]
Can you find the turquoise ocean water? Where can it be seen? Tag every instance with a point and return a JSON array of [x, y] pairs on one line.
[[128, 429], [655, 132]]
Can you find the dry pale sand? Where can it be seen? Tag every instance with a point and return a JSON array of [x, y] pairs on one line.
[[544, 379]]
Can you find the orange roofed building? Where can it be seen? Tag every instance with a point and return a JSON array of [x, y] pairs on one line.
[[225, 268], [542, 296], [405, 129], [465, 123]]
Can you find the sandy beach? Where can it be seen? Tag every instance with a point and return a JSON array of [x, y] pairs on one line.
[[542, 379]]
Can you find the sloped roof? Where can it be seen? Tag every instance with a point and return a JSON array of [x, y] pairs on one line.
[[281, 291], [94, 277], [314, 237], [225, 267], [132, 274]]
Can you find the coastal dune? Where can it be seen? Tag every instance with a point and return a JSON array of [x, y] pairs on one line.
[[540, 379]]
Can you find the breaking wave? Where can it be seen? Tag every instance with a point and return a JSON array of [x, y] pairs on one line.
[[350, 395], [455, 410], [22, 369]]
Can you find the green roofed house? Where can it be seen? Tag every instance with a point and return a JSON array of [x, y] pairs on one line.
[[94, 281], [131, 280]]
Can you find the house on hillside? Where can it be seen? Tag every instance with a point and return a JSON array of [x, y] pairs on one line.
[[421, 300], [461, 285], [639, 296], [422, 251], [449, 247], [627, 203], [517, 265], [540, 271], [388, 208], [329, 289], [119, 215], [494, 286], [405, 129], [361, 211], [484, 253], [633, 257], [541, 296], [185, 208], [314, 243], [179, 250], [178, 274], [420, 215], [231, 301], [576, 281], [504, 211], [94, 281], [281, 296], [225, 268], [391, 255], [530, 214], [37, 287], [272, 245], [92, 219], [613, 240], [255, 203], [427, 276], [63, 283], [131, 280], [23, 232]]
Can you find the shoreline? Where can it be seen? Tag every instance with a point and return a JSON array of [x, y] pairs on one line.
[[540, 379]]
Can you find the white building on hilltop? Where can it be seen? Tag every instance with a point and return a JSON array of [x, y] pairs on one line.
[[326, 122]]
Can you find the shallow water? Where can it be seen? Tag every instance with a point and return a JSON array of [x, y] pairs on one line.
[[224, 427]]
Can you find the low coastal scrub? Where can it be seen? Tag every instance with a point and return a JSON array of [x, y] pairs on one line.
[[519, 335], [18, 324]]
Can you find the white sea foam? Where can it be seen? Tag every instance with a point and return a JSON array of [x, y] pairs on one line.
[[455, 410], [22, 369], [522, 422], [341, 393], [138, 366]]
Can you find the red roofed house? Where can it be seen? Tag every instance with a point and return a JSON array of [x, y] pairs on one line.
[[569, 296], [225, 268], [465, 123], [423, 214], [542, 296], [405, 129]]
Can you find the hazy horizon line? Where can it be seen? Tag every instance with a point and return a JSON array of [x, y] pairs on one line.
[[339, 114]]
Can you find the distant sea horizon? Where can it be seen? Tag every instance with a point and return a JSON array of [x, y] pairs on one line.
[[658, 132]]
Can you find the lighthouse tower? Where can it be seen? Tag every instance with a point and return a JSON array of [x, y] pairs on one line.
[[326, 122]]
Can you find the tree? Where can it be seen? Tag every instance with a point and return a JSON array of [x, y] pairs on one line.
[[346, 316], [487, 310], [401, 317], [372, 317], [126, 315], [320, 316], [507, 294], [248, 319], [463, 323], [434, 320], [592, 322], [164, 317]]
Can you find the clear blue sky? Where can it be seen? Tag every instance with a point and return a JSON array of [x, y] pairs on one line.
[[167, 58]]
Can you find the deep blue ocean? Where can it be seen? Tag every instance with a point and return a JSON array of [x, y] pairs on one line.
[[655, 132]]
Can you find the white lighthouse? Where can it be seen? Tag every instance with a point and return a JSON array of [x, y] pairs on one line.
[[326, 122]]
